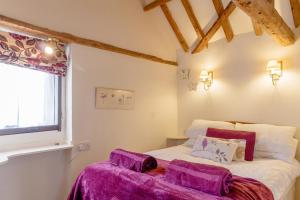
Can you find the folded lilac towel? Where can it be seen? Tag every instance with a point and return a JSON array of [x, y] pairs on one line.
[[206, 178], [134, 161]]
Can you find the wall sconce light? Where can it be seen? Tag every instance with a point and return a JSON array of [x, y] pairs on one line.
[[207, 79], [274, 68]]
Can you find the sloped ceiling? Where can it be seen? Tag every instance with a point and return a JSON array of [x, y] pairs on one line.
[[206, 15]]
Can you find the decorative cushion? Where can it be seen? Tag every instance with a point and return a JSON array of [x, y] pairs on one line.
[[239, 154], [199, 127], [272, 141], [233, 134], [240, 151], [214, 149]]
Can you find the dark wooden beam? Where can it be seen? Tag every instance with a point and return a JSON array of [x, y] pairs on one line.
[[155, 4], [228, 10], [175, 27], [24, 27], [264, 13], [257, 28], [295, 5], [226, 24], [190, 12]]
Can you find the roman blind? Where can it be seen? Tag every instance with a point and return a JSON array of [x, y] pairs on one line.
[[24, 51]]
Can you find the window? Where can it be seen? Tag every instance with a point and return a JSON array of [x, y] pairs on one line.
[[30, 100]]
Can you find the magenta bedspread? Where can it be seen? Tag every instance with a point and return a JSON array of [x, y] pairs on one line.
[[134, 161], [206, 178], [104, 181]]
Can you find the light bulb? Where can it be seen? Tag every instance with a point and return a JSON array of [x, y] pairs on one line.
[[274, 64], [204, 75], [48, 50], [275, 70], [206, 78]]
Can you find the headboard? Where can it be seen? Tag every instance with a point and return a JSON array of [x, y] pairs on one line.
[[235, 122]]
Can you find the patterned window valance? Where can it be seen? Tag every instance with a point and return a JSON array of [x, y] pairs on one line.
[[30, 52]]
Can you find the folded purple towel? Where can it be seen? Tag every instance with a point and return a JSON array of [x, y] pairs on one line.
[[134, 161], [206, 178]]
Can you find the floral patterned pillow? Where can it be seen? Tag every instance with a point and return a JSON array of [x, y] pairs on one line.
[[241, 149], [214, 149]]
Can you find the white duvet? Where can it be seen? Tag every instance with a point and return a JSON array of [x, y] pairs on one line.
[[275, 174]]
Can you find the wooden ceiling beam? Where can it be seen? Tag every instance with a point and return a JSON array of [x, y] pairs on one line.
[[267, 16], [226, 24], [295, 5], [155, 4], [191, 14], [30, 29], [257, 28], [228, 10], [175, 27]]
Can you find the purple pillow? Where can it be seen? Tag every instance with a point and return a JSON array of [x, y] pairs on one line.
[[234, 134]]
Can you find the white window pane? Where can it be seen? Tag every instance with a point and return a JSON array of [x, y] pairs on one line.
[[28, 98]]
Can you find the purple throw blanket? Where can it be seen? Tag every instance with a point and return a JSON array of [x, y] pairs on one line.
[[247, 188], [134, 161], [206, 178], [104, 181]]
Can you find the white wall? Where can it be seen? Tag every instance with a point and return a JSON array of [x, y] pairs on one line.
[[141, 129], [242, 89], [122, 23], [42, 176]]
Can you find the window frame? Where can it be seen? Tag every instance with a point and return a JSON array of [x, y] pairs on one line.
[[35, 129]]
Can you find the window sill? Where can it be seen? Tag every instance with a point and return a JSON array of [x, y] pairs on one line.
[[5, 156]]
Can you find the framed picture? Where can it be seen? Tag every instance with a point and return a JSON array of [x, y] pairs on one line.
[[108, 98]]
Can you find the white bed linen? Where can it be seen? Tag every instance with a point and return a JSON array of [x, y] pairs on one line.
[[275, 174]]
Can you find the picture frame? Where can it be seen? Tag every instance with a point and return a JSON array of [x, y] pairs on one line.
[[110, 98]]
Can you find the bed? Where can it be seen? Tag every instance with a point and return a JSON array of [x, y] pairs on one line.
[[276, 169], [103, 180], [278, 175]]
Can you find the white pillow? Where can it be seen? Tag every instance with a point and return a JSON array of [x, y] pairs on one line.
[[199, 127], [286, 152], [272, 141], [214, 149], [190, 142]]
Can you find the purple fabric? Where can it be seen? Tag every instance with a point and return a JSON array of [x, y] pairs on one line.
[[233, 134], [206, 178], [247, 188], [103, 181], [134, 161]]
